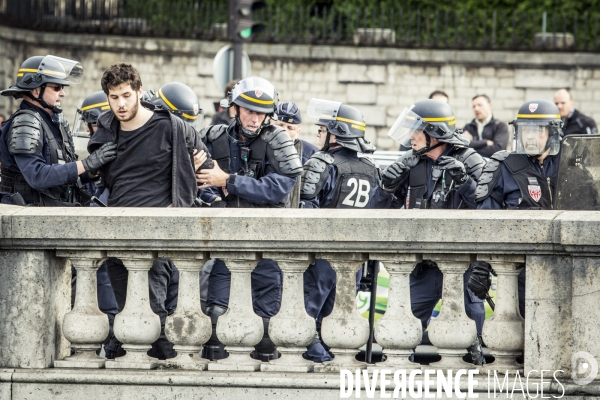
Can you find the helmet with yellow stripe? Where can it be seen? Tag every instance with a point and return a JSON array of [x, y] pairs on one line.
[[180, 100], [38, 71], [432, 117], [344, 122], [538, 128], [255, 94], [88, 113]]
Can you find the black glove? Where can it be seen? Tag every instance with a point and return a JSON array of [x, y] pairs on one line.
[[455, 169], [98, 158], [480, 280], [393, 176]]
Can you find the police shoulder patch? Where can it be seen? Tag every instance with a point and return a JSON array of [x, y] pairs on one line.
[[25, 136]]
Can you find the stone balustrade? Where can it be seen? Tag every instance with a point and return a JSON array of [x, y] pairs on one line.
[[39, 330]]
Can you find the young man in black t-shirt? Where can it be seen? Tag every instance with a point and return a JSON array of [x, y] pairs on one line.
[[153, 168]]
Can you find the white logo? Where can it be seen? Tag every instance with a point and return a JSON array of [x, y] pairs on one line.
[[362, 197], [584, 368], [258, 93], [196, 109], [533, 107]]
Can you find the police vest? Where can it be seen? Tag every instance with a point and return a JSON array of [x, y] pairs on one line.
[[12, 181], [356, 178], [536, 189], [444, 190], [256, 159]]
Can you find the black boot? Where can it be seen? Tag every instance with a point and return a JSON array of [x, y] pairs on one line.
[[265, 350], [214, 349]]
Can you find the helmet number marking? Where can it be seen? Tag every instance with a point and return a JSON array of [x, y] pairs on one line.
[[361, 188]]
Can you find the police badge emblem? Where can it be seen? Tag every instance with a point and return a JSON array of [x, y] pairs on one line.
[[533, 107], [258, 93], [196, 109], [535, 192]]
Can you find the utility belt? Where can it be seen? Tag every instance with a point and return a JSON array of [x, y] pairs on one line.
[[14, 185]]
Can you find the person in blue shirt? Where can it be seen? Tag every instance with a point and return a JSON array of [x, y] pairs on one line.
[[39, 164], [524, 179], [340, 175], [256, 167], [440, 172]]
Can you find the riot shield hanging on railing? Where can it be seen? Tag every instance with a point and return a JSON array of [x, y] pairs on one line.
[[578, 181]]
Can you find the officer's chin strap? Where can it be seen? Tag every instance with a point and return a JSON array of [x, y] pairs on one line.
[[91, 128], [245, 131], [40, 99], [428, 147]]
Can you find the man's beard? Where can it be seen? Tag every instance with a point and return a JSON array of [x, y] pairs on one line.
[[134, 111]]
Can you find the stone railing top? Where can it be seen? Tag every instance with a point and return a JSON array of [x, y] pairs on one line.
[[303, 52], [421, 231]]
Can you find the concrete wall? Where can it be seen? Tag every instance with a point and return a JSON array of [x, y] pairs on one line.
[[379, 81]]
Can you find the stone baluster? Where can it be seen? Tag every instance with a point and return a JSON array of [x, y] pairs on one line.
[[344, 330], [452, 331], [504, 332], [239, 329], [85, 326], [292, 329], [188, 328], [398, 331], [136, 326]]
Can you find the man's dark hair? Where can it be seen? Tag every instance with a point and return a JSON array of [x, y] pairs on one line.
[[118, 74], [438, 93], [485, 96]]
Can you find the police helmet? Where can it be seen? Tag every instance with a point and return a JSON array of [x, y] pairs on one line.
[[433, 117], [38, 71], [180, 100], [88, 113], [288, 113], [255, 94], [538, 128], [344, 122]]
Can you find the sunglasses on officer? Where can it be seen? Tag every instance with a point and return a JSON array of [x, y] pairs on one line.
[[56, 88]]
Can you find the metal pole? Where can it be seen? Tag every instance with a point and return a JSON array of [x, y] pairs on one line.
[[238, 48]]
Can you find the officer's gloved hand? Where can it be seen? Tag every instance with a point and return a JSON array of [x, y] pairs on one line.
[[455, 169], [98, 158], [393, 176], [480, 280]]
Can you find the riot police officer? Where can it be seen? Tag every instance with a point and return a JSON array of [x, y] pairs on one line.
[[256, 166], [440, 172], [524, 179], [335, 177], [39, 165]]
